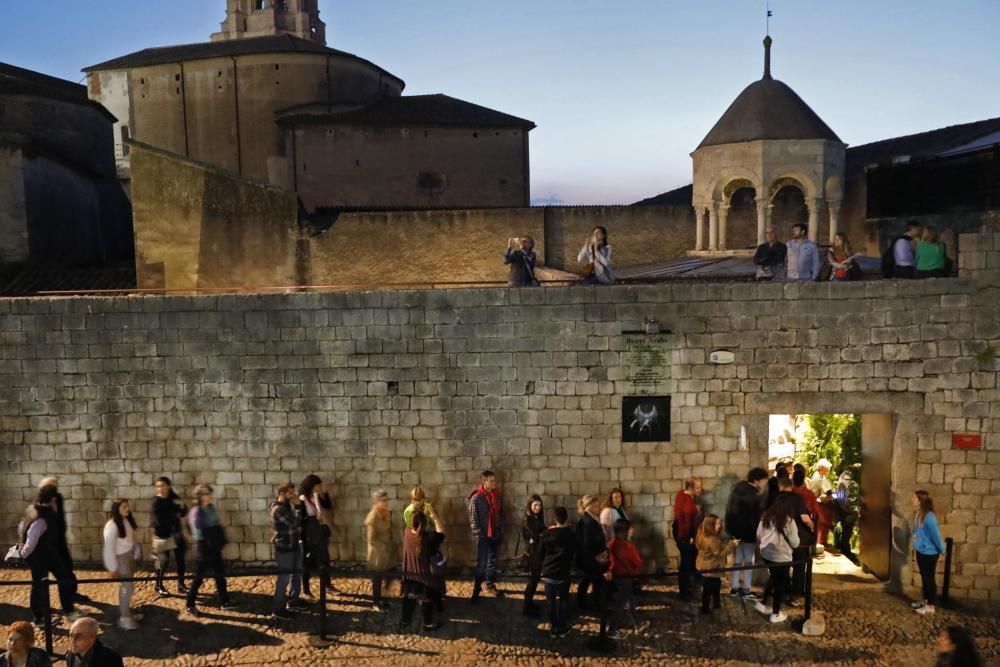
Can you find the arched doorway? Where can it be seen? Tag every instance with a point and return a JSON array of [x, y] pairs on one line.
[[788, 202]]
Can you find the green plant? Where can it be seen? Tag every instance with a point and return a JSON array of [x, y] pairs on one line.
[[836, 438]]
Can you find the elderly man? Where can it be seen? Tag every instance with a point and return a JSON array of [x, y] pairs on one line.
[[86, 650], [821, 486]]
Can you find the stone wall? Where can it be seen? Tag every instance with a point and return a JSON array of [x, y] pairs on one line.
[[201, 227], [430, 387], [197, 226]]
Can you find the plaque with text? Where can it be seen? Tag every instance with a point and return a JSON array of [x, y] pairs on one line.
[[647, 358]]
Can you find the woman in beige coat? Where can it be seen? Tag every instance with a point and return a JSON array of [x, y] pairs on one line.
[[378, 528]]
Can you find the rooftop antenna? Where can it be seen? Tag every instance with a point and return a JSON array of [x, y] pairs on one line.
[[767, 42]]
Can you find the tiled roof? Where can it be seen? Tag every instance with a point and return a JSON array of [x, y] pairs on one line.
[[35, 280], [768, 110], [682, 196], [19, 81], [414, 110], [224, 49], [922, 145]]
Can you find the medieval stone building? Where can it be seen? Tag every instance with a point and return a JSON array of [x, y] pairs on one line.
[[269, 101], [59, 199]]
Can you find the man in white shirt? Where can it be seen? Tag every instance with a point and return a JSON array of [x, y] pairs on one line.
[[803, 261]]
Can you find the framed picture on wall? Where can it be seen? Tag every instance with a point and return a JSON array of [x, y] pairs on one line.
[[646, 419]]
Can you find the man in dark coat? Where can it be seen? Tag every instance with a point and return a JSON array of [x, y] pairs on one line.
[[86, 650], [558, 551], [746, 504]]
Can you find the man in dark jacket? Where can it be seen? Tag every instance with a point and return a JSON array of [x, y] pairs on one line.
[[557, 552], [746, 503], [287, 527], [62, 541], [86, 650], [770, 257]]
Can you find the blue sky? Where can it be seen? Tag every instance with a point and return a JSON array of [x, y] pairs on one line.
[[622, 92]]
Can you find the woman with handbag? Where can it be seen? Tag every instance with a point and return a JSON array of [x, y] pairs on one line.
[[120, 554], [168, 537], [531, 532], [595, 256], [592, 554], [423, 573]]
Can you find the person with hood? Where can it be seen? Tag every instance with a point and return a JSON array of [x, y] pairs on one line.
[[485, 507], [746, 504]]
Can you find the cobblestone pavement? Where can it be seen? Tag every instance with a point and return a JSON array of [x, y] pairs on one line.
[[865, 626]]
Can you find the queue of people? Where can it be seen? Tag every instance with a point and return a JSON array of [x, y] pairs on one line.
[[778, 519]]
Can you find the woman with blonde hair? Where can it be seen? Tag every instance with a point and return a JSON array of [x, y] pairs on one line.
[[378, 531], [928, 546], [613, 510], [419, 503], [842, 259], [592, 549], [932, 255]]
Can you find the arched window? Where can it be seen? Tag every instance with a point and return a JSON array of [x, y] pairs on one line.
[[259, 4]]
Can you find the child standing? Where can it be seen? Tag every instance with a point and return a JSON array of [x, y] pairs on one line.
[[711, 555], [626, 564]]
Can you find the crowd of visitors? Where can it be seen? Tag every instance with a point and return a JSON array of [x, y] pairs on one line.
[[779, 519], [917, 253]]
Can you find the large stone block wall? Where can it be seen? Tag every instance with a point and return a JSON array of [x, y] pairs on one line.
[[197, 226], [430, 387]]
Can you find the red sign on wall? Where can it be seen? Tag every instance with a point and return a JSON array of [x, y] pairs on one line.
[[966, 441]]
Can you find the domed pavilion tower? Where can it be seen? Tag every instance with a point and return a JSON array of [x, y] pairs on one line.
[[768, 140]]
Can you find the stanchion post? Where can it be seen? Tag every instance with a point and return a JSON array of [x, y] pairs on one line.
[[48, 616], [809, 588], [949, 547], [322, 601]]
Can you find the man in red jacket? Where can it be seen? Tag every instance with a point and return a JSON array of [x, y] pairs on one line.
[[626, 564], [685, 527]]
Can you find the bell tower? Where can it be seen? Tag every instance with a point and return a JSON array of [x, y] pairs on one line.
[[264, 18]]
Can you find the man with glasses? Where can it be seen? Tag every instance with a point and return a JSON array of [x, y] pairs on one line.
[[86, 650]]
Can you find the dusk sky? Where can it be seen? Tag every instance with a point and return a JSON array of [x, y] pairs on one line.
[[622, 92]]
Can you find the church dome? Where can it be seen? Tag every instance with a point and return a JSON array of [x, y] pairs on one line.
[[768, 110]]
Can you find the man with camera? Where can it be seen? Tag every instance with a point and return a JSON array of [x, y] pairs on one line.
[[520, 256]]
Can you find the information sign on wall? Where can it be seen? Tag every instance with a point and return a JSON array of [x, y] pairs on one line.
[[647, 358]]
